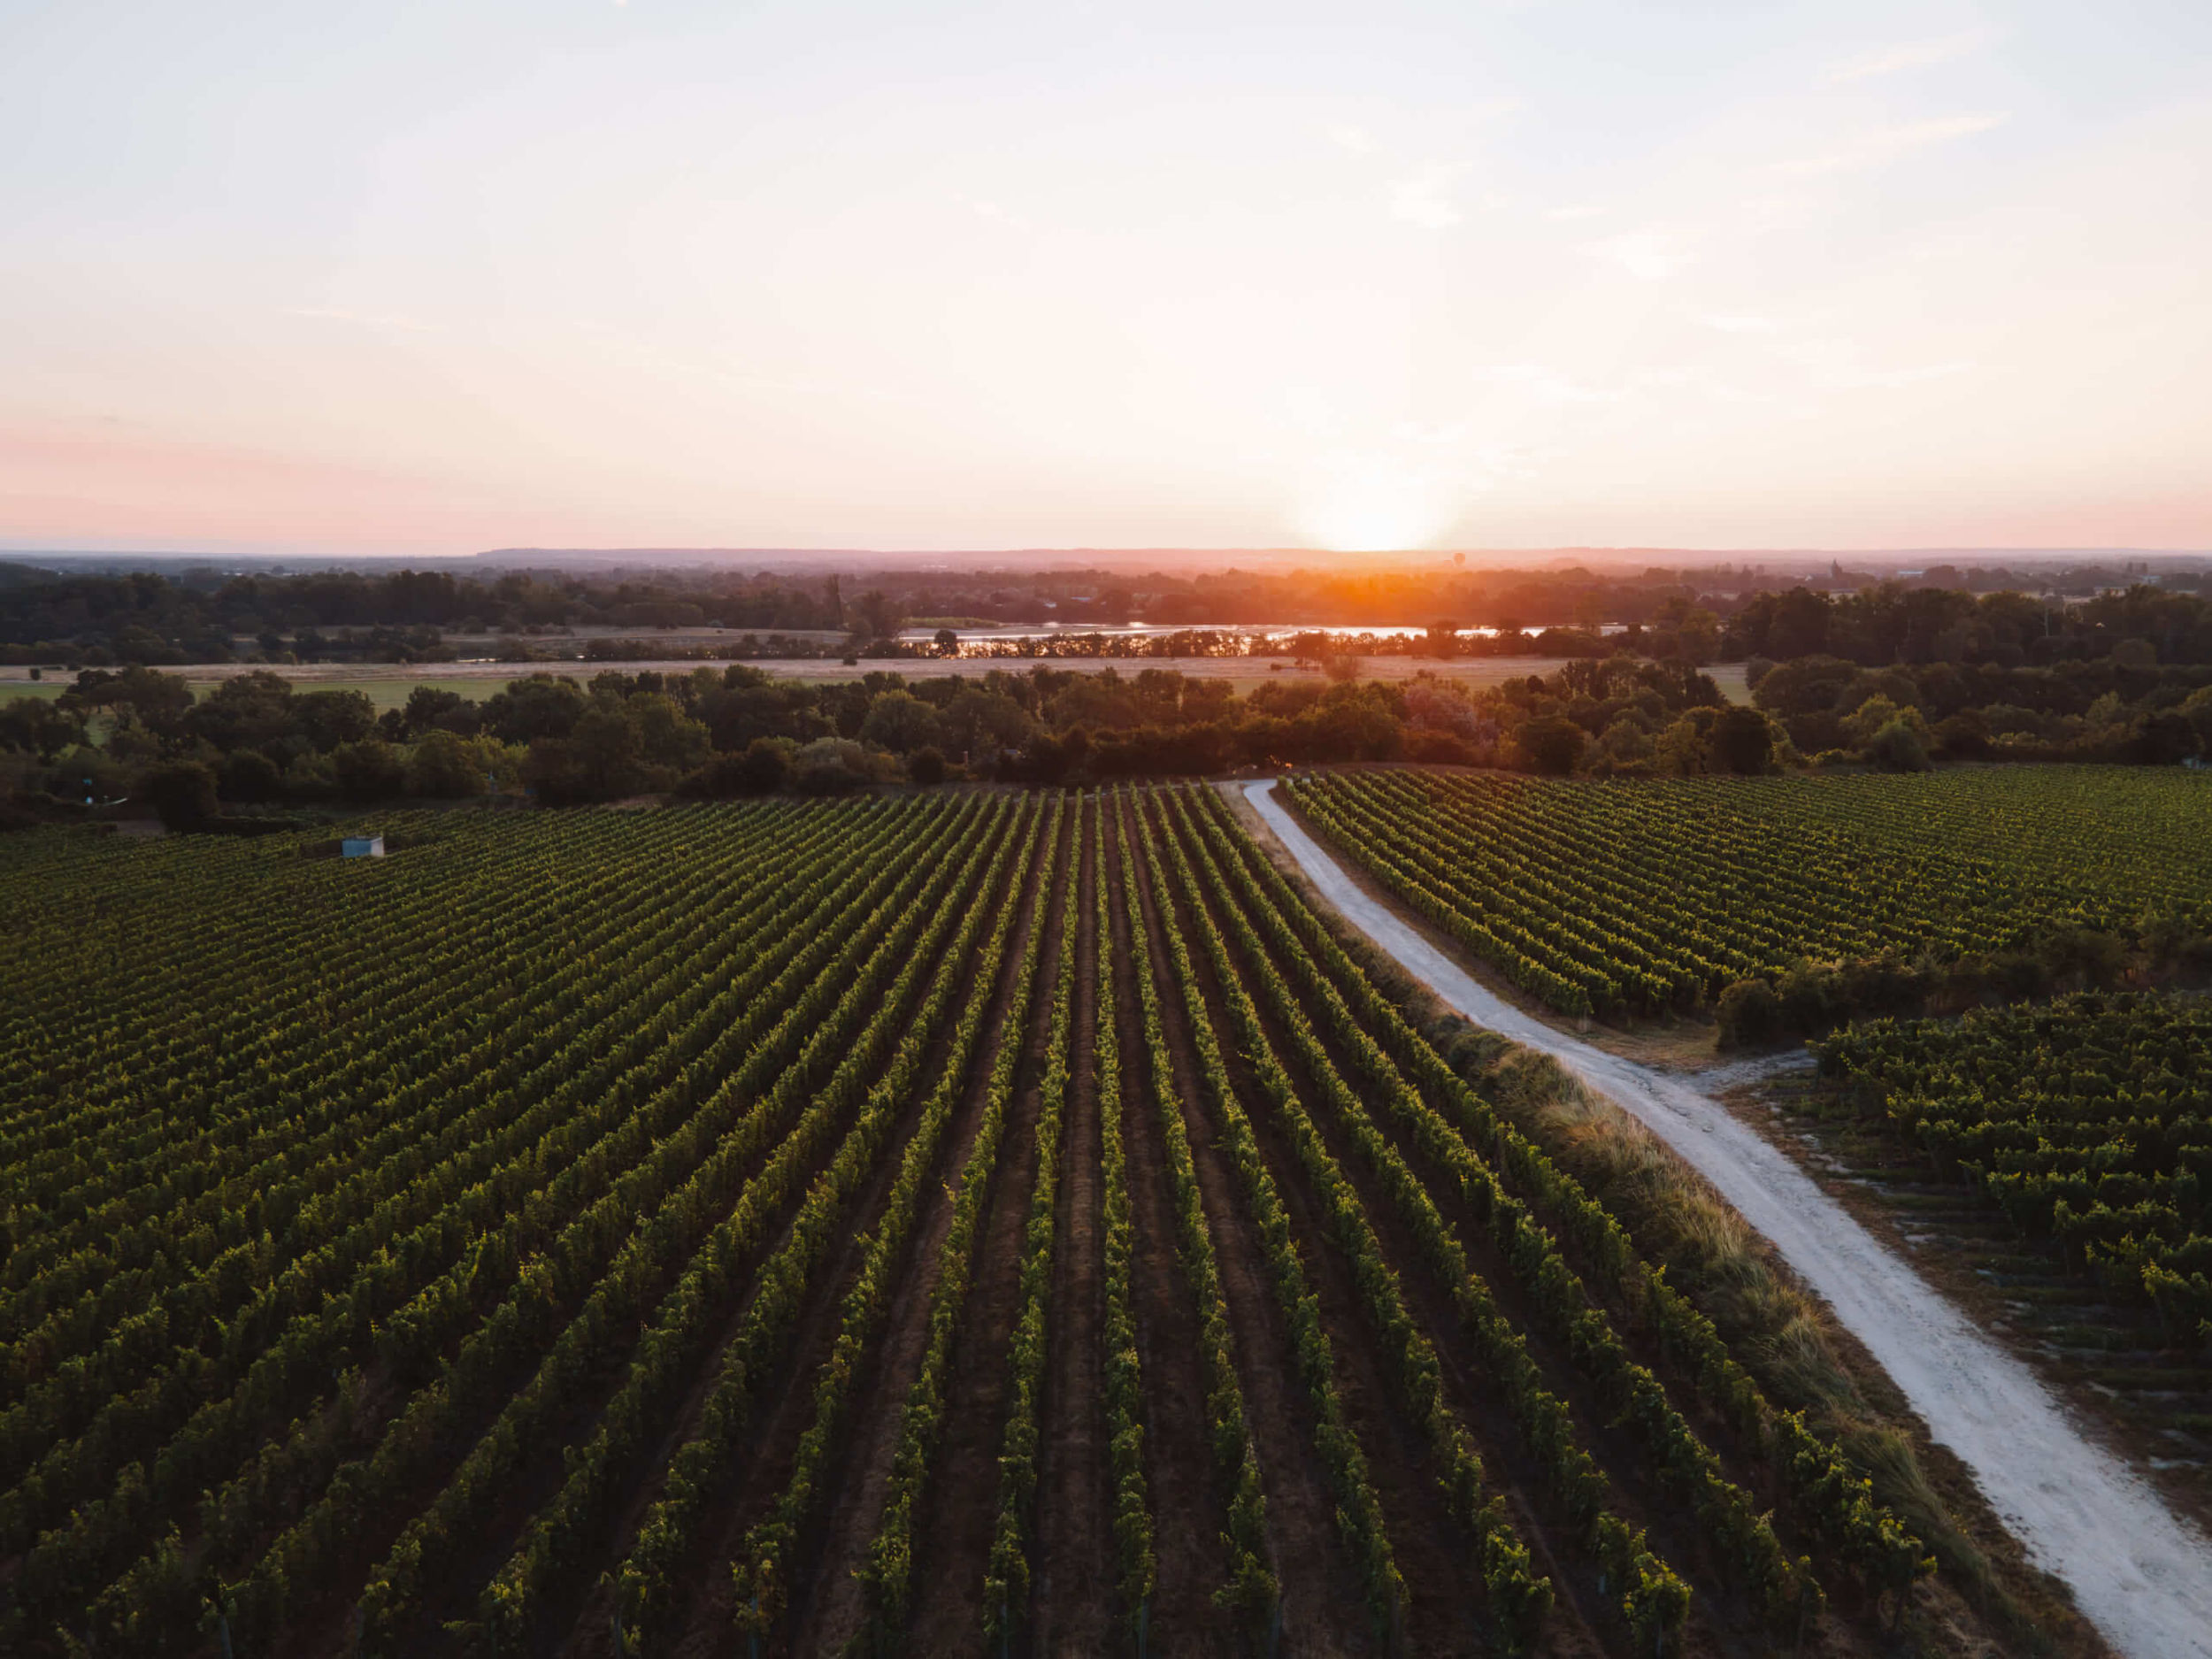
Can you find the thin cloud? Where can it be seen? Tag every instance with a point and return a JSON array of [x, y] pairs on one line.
[[1358, 139], [1908, 56], [1648, 256], [1546, 385], [1839, 365], [1886, 379], [1742, 325], [1886, 144], [365, 319], [982, 207], [1420, 200], [1573, 211]]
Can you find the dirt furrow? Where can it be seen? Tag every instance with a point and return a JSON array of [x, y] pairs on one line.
[[1188, 1513], [951, 1551], [827, 1605], [1322, 1608], [1074, 1556]]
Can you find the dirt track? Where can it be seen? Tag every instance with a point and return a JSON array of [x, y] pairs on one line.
[[2142, 1575]]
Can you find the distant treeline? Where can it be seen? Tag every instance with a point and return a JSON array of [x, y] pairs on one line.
[[140, 736], [148, 618], [1717, 614], [256, 741]]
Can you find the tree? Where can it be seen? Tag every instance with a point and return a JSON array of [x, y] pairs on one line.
[[443, 768], [2164, 740], [947, 643], [181, 793], [1684, 748], [831, 765], [666, 736], [370, 769], [1878, 713], [1551, 744], [1810, 685], [250, 775], [1900, 745], [247, 712], [926, 767], [328, 718], [876, 616], [540, 706], [1749, 1015], [979, 720], [39, 725], [766, 765], [158, 700], [430, 709], [1742, 741], [901, 722]]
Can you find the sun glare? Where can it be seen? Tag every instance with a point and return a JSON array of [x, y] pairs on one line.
[[1375, 504]]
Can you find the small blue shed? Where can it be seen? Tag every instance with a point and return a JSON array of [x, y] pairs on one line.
[[361, 846]]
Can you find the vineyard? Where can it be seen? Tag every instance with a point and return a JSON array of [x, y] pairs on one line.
[[2086, 1121], [957, 1222], [1633, 898]]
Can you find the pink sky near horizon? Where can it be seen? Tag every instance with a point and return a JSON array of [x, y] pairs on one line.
[[853, 275]]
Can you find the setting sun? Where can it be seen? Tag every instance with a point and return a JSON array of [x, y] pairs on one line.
[[1378, 503]]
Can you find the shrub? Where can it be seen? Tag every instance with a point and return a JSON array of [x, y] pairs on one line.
[[1742, 741], [831, 765], [251, 775], [183, 794], [1551, 744], [443, 768], [371, 770], [1749, 1015], [1898, 746]]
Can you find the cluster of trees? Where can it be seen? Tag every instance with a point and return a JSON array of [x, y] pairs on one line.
[[1891, 623], [1904, 717], [256, 741]]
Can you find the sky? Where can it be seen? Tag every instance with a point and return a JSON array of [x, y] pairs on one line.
[[422, 278]]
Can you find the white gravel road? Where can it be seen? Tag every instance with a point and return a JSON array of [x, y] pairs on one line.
[[2142, 1574]]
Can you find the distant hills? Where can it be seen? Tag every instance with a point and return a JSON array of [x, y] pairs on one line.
[[1183, 561]]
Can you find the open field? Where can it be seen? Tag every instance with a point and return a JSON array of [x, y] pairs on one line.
[[387, 684], [928, 1219]]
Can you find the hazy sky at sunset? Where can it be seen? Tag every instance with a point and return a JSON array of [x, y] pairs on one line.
[[426, 278]]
